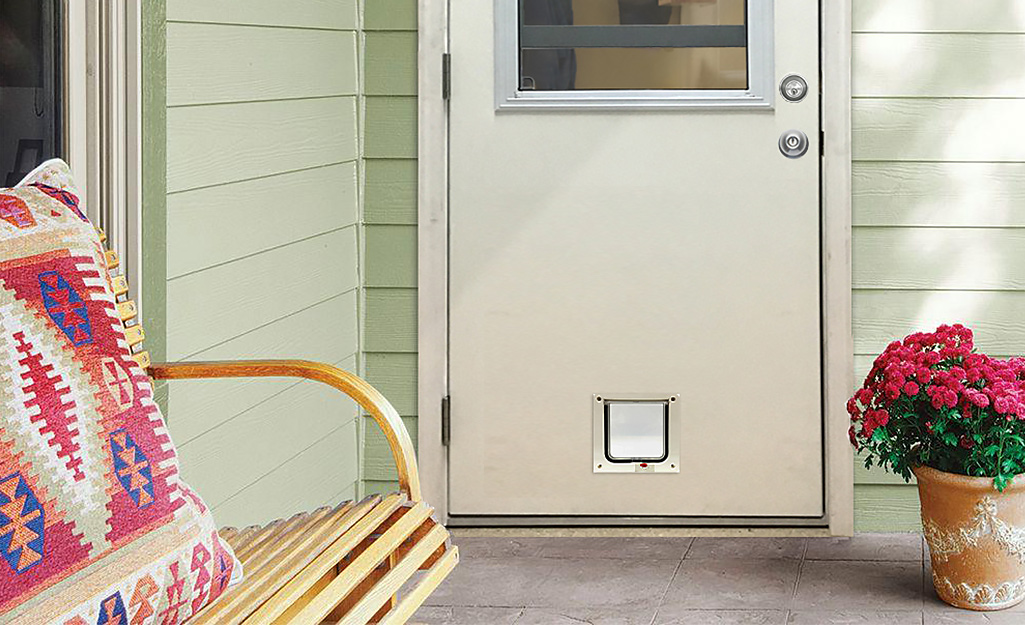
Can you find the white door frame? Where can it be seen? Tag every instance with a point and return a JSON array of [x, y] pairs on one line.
[[103, 121], [432, 236]]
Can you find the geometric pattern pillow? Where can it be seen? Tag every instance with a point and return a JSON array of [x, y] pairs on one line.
[[96, 528]]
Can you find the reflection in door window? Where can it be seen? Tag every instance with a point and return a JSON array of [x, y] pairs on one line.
[[30, 126], [632, 44]]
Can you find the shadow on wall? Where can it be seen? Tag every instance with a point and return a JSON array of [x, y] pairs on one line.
[[939, 171]]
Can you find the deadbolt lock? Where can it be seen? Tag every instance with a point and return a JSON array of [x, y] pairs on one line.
[[793, 144], [793, 88]]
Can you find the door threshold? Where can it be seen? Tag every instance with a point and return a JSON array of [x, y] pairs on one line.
[[639, 532], [642, 522]]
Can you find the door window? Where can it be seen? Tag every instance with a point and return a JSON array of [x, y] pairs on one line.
[[632, 44], [633, 52], [30, 85]]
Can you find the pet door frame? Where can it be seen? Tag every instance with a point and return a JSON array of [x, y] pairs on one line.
[[603, 462]]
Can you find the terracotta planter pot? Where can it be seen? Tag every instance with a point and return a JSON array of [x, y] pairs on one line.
[[976, 538]]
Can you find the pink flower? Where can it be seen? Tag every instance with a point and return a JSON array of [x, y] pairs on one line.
[[1002, 405], [882, 417], [951, 398]]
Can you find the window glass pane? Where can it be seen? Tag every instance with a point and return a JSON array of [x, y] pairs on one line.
[[632, 44], [30, 126]]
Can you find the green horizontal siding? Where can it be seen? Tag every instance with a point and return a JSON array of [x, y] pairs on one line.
[[210, 403], [313, 14], [263, 243], [154, 183], [390, 321], [937, 197], [391, 256], [371, 487], [199, 218], [390, 15], [379, 464], [388, 68], [394, 375], [226, 143], [390, 217], [390, 127], [886, 508], [257, 63], [390, 191]]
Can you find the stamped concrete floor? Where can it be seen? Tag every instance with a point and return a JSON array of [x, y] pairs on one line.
[[866, 580]]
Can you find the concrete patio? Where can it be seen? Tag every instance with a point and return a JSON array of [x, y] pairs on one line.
[[871, 579]]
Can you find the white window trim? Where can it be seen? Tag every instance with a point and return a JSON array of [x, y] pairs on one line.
[[759, 94], [103, 121]]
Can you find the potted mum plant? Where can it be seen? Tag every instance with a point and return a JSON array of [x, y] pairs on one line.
[[934, 407]]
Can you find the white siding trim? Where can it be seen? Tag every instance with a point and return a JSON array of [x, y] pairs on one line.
[[432, 278], [838, 338]]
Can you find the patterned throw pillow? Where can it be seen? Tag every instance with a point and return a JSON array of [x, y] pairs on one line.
[[96, 527]]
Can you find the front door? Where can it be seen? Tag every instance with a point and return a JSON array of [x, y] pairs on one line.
[[634, 259]]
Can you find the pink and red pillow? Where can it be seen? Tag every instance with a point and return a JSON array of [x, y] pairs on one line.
[[96, 527]]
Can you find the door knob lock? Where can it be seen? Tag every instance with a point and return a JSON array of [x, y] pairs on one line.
[[793, 88], [793, 144]]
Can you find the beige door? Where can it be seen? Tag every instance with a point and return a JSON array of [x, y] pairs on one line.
[[624, 223]]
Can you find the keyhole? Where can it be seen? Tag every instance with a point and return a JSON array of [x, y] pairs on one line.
[[793, 88]]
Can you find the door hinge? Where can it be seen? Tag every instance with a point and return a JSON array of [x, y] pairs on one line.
[[446, 76], [446, 420]]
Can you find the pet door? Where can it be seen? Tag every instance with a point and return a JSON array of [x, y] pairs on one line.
[[635, 434]]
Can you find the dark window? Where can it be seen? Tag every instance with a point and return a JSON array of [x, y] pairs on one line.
[[30, 86]]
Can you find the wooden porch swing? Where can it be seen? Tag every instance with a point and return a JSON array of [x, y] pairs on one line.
[[342, 565]]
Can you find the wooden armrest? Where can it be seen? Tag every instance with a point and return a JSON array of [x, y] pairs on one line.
[[355, 387]]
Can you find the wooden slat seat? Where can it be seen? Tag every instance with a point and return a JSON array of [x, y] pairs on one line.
[[340, 554], [345, 564]]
